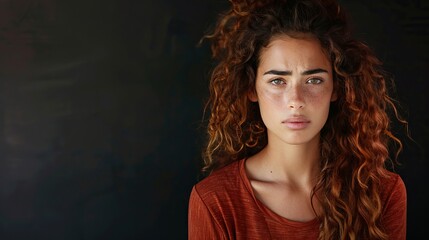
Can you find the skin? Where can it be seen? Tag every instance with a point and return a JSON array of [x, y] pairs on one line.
[[294, 89]]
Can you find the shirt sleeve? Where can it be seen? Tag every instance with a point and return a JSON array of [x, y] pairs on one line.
[[201, 223], [395, 215]]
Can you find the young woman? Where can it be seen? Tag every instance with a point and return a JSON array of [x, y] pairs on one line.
[[299, 130]]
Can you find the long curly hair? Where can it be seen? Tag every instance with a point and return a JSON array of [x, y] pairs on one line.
[[356, 140]]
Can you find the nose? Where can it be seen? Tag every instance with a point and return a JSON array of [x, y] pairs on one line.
[[294, 106], [296, 100]]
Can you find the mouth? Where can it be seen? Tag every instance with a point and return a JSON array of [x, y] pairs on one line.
[[296, 123]]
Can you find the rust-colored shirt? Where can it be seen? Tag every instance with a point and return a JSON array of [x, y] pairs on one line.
[[223, 206]]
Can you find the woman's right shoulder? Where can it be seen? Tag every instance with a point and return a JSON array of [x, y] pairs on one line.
[[220, 181]]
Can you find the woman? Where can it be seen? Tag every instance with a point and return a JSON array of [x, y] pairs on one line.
[[299, 132]]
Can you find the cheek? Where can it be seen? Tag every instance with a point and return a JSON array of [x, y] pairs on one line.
[[271, 106], [319, 96], [319, 105], [271, 98]]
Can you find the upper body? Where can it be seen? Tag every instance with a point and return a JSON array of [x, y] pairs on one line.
[[224, 206], [308, 107]]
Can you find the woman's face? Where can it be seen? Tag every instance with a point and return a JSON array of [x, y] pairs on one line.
[[294, 88]]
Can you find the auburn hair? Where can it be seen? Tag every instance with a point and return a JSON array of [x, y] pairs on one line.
[[357, 137]]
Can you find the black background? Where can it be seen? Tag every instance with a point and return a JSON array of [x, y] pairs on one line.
[[101, 105]]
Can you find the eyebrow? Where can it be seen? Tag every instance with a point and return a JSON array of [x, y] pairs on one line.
[[306, 72]]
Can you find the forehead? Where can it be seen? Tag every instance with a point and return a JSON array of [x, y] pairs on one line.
[[304, 49]]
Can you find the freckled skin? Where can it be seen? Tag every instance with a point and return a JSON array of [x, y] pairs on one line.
[[295, 93]]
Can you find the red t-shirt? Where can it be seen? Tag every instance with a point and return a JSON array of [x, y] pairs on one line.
[[223, 206]]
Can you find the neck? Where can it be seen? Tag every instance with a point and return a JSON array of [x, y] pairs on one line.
[[294, 164]]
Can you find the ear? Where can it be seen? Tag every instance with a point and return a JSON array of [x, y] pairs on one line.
[[252, 95]]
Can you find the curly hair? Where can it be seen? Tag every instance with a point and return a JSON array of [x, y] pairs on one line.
[[357, 137]]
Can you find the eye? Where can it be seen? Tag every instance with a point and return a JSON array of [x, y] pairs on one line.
[[277, 81], [314, 81]]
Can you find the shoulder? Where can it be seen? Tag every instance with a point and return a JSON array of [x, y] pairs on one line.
[[226, 189], [220, 182], [224, 203], [391, 183], [393, 190], [393, 196], [222, 194]]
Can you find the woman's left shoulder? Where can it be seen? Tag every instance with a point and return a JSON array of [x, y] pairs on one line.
[[392, 186], [394, 203], [391, 179]]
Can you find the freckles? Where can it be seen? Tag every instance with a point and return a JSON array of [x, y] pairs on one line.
[[272, 99], [319, 93], [273, 96], [319, 99], [270, 94]]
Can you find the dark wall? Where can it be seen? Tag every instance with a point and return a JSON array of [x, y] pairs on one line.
[[101, 103]]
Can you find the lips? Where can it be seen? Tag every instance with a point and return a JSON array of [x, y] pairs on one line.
[[296, 123]]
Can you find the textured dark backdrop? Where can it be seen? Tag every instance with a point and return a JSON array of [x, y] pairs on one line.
[[101, 102]]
